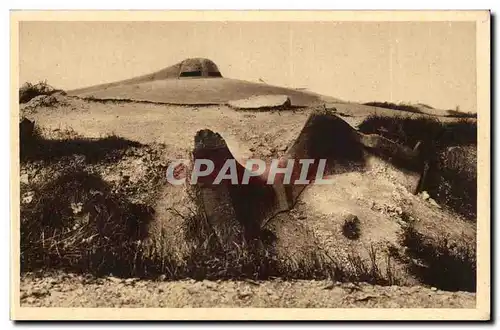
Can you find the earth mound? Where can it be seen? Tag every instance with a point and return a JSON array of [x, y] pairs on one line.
[[191, 81], [367, 226]]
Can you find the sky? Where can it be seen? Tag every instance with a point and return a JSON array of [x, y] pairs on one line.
[[412, 62]]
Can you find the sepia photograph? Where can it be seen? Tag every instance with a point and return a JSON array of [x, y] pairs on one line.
[[250, 165]]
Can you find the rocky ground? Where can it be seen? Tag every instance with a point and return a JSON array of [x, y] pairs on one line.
[[68, 290]]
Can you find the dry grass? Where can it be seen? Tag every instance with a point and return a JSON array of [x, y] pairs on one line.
[[449, 148], [454, 182], [459, 114], [409, 130], [75, 221], [442, 264], [28, 90], [78, 222], [394, 106]]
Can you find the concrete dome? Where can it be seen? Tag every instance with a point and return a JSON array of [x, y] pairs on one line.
[[198, 67]]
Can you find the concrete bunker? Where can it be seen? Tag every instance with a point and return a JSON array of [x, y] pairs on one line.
[[199, 67]]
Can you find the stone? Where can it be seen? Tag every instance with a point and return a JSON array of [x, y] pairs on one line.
[[131, 281], [28, 197], [209, 284], [30, 300], [329, 286], [434, 203], [266, 153], [114, 279], [244, 294], [24, 178]]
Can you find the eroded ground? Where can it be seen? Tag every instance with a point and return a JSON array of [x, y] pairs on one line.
[[375, 196]]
